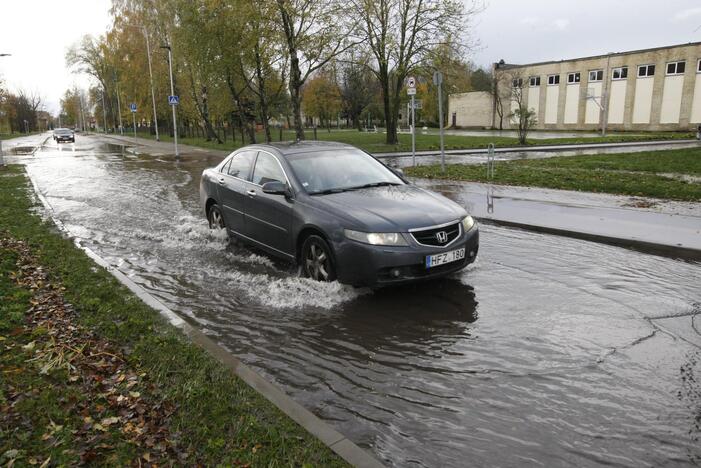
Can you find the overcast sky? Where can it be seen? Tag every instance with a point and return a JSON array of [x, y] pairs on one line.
[[38, 33], [521, 31]]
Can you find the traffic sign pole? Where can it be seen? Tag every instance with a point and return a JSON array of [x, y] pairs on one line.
[[172, 99], [132, 107], [411, 90], [413, 130]]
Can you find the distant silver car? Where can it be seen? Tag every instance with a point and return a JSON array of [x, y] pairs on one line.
[[64, 134], [337, 212]]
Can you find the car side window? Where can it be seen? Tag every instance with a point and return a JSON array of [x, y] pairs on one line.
[[267, 170], [225, 167], [241, 165]]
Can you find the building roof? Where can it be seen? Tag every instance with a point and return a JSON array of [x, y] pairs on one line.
[[507, 66]]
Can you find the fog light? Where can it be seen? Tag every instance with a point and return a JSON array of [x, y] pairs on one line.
[[472, 253], [395, 273]]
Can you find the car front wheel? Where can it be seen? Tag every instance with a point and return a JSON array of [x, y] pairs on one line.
[[317, 261], [216, 220]]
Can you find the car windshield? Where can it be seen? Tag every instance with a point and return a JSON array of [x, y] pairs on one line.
[[340, 170], [62, 131]]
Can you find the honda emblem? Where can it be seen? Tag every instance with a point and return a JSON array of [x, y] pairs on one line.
[[442, 237]]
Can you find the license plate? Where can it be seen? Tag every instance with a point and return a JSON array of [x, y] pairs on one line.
[[445, 257]]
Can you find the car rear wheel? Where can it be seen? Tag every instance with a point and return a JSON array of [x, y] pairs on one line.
[[317, 261], [216, 220]]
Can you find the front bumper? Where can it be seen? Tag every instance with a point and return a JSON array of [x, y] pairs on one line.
[[65, 138], [370, 265]]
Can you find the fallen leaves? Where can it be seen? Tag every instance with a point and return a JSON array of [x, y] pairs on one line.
[[115, 401]]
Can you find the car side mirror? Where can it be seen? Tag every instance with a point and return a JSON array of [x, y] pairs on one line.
[[398, 171], [276, 188]]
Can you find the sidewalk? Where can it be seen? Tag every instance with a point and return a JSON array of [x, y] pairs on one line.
[[666, 227], [161, 147], [167, 147], [632, 145]]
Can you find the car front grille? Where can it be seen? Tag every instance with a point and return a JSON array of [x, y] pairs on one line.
[[437, 237]]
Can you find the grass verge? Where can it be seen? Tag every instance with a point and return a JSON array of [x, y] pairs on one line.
[[375, 142], [90, 374], [637, 174]]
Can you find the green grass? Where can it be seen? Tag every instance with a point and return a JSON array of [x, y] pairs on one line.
[[375, 142], [635, 174], [216, 415]]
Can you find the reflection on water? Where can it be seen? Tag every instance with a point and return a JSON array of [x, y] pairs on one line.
[[547, 350]]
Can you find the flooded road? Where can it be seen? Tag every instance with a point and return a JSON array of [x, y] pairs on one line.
[[547, 351]]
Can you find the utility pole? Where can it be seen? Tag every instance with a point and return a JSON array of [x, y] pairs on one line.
[[438, 80], [2, 159], [172, 99], [150, 74]]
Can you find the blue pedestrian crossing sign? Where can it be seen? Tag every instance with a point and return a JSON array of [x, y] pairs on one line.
[[173, 100], [132, 106]]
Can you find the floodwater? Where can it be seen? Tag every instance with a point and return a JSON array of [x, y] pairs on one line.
[[548, 351]]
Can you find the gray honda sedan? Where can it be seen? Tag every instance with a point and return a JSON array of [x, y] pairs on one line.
[[337, 212]]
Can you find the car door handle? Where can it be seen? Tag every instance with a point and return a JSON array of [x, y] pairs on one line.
[[221, 181], [251, 193]]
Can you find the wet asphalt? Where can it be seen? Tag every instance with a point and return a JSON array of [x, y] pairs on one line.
[[547, 351]]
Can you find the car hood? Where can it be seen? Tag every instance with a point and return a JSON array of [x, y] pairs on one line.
[[396, 208]]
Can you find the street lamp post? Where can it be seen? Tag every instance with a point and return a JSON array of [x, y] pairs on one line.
[[172, 93], [438, 80], [150, 74], [119, 106], [2, 159]]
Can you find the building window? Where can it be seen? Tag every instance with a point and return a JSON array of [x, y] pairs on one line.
[[620, 73], [555, 79], [596, 75], [517, 83], [698, 68], [646, 70], [573, 78], [534, 81], [676, 68]]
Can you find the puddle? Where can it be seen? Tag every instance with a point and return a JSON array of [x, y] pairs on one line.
[[20, 150]]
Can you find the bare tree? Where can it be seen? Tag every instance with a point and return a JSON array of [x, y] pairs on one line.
[[315, 32], [524, 117], [402, 35]]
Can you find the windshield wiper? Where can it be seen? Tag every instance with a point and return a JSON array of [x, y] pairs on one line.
[[328, 191], [374, 184]]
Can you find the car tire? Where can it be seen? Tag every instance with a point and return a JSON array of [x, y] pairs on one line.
[[215, 218], [317, 259]]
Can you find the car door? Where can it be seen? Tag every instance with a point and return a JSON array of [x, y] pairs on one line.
[[269, 217], [232, 189]]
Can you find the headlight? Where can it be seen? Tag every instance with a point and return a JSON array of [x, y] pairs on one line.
[[376, 238], [467, 223]]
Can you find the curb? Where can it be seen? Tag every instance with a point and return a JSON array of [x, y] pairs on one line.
[[661, 250], [540, 148], [333, 439]]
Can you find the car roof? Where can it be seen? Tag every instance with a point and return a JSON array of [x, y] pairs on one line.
[[285, 148]]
